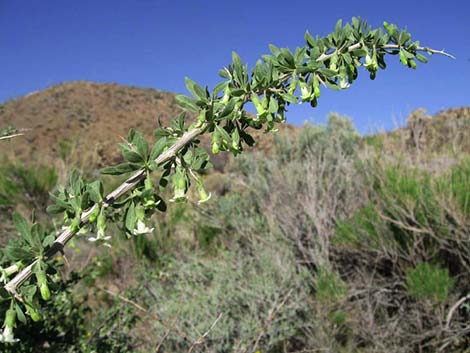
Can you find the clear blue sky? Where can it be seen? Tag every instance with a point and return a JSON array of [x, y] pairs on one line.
[[157, 43]]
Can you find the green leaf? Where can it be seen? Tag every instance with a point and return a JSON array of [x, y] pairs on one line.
[[119, 169], [247, 138], [20, 314], [237, 62], [332, 86], [195, 89], [224, 74], [48, 240], [186, 103], [158, 148], [36, 237], [338, 26], [130, 154], [141, 145], [15, 253], [130, 217], [219, 88], [130, 135], [275, 50], [309, 39], [421, 58], [22, 226], [55, 209], [327, 73], [223, 133], [289, 98], [95, 190]]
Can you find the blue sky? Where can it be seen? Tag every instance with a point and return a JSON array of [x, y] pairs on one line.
[[157, 43]]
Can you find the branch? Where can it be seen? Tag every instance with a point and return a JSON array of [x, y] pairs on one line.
[[201, 338], [353, 47], [325, 57], [426, 49], [10, 136], [455, 307], [126, 186]]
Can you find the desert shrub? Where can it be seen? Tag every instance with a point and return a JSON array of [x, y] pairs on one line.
[[429, 282], [261, 299], [413, 218], [412, 214], [19, 183], [329, 287], [302, 191], [454, 186]]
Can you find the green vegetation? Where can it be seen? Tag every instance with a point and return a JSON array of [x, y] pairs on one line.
[[428, 282], [323, 244], [345, 255]]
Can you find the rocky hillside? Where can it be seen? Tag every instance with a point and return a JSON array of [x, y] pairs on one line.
[[83, 118], [87, 120]]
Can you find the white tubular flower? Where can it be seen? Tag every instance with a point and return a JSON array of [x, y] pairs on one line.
[[141, 228], [7, 335], [101, 238]]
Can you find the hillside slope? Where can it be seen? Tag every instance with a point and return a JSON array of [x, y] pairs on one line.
[[87, 120], [85, 116]]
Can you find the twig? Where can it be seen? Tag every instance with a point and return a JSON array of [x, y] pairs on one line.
[[167, 332], [10, 136], [64, 237], [455, 307], [271, 316], [201, 338], [353, 47], [146, 311], [428, 50]]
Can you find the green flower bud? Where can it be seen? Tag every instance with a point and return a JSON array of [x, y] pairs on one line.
[[203, 195], [94, 214], [215, 142], [403, 59], [10, 318], [75, 225], [201, 119], [292, 86], [42, 283], [148, 183], [179, 186], [33, 313], [45, 292], [215, 148], [316, 87], [226, 96], [305, 91]]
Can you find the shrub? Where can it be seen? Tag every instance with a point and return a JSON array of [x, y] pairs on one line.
[[429, 282], [329, 287]]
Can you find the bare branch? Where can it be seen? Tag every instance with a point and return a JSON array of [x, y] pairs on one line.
[[455, 307], [325, 57], [201, 338], [426, 49], [7, 137]]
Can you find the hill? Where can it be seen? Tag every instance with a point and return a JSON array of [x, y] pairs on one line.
[[87, 120], [84, 116]]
